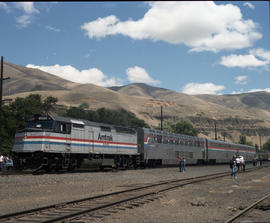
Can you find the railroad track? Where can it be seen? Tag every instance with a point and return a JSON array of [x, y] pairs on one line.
[[14, 172], [250, 214], [30, 172], [109, 202]]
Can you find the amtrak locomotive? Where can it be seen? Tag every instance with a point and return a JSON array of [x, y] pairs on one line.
[[51, 143]]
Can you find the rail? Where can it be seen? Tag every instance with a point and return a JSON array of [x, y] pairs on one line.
[[64, 211], [241, 213]]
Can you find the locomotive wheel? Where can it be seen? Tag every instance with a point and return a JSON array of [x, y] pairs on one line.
[[71, 166], [48, 168]]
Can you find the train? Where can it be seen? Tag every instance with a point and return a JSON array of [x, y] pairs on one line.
[[51, 142]]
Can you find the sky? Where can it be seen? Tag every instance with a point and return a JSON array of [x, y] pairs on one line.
[[192, 47]]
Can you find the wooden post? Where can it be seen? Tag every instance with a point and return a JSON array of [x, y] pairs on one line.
[[1, 94], [215, 130], [1, 84], [161, 119]]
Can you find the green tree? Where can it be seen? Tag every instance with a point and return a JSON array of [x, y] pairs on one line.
[[119, 117], [266, 146], [76, 112], [16, 115], [183, 126], [167, 125], [48, 103], [24, 108], [84, 105], [243, 140], [8, 128]]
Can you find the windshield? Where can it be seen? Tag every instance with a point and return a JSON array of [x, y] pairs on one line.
[[39, 125]]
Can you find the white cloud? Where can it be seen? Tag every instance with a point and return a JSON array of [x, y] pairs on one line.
[[92, 75], [27, 18], [4, 6], [27, 7], [242, 61], [249, 5], [139, 75], [241, 80], [241, 91], [24, 20], [101, 27], [263, 54], [255, 90], [205, 88], [53, 28], [202, 26], [251, 91]]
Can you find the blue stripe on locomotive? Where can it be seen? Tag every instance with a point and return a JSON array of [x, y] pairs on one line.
[[75, 144]]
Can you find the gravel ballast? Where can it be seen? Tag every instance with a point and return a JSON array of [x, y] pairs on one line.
[[23, 192]]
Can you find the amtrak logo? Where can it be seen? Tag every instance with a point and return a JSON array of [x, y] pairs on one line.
[[105, 137]]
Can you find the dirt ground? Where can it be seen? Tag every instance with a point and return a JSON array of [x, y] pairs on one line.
[[212, 201]]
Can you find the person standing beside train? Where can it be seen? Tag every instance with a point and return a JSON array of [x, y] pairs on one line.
[[238, 161], [184, 164], [1, 161], [180, 164], [241, 163], [254, 161], [244, 164], [233, 165]]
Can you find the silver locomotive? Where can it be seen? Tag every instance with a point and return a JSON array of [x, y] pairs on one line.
[[51, 142]]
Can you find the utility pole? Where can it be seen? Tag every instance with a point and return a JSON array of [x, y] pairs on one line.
[[1, 96], [260, 141], [1, 84], [215, 130], [161, 118]]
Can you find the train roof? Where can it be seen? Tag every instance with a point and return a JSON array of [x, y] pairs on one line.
[[154, 131], [194, 137], [81, 121], [236, 144]]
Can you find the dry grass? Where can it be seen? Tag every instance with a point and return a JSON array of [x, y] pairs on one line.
[[143, 100]]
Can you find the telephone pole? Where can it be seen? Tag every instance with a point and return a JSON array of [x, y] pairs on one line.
[[161, 118], [260, 141], [215, 130], [1, 84], [1, 96]]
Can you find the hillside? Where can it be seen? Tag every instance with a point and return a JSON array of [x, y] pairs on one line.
[[257, 100], [24, 79], [234, 114]]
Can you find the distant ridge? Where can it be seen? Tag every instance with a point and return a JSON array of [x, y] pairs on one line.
[[141, 89], [247, 112], [256, 100]]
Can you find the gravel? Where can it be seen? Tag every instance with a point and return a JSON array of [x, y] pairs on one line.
[[204, 202]]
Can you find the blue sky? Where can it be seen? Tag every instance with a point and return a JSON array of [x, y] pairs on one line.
[[190, 47]]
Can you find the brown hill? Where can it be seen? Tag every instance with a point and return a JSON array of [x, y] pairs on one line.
[[257, 100], [244, 113], [24, 79]]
